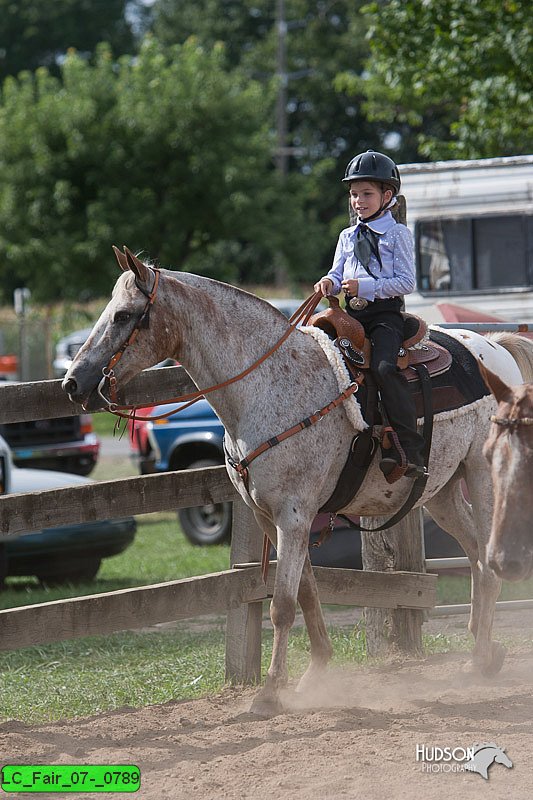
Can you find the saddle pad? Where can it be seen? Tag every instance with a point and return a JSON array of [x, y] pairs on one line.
[[456, 386]]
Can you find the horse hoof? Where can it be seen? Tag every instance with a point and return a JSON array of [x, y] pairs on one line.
[[266, 707], [497, 657]]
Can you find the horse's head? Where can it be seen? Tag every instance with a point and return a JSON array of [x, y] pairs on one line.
[[509, 450], [125, 339], [501, 757]]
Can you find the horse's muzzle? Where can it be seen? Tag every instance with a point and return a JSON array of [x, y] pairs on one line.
[[70, 386]]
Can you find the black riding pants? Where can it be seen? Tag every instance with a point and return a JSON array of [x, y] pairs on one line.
[[384, 325]]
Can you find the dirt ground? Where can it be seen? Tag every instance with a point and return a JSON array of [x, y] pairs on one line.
[[356, 738]]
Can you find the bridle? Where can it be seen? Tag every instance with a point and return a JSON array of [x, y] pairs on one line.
[[301, 315], [108, 373], [512, 424]]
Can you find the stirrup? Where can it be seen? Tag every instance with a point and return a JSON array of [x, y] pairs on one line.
[[416, 471], [387, 465]]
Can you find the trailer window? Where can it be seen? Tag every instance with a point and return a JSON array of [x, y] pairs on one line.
[[461, 255]]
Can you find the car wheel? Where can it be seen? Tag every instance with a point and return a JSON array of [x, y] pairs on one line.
[[209, 524], [73, 572]]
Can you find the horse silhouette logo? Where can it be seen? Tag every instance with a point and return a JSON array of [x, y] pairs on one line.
[[484, 756]]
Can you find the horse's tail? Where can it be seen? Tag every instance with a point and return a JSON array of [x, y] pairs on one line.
[[520, 348]]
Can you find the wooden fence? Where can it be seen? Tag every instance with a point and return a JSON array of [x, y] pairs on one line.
[[238, 591]]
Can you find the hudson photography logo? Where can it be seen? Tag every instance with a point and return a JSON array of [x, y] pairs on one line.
[[477, 758]]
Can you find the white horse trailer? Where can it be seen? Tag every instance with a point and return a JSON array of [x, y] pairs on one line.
[[473, 227]]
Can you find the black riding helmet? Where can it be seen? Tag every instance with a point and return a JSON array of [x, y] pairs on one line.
[[372, 166]]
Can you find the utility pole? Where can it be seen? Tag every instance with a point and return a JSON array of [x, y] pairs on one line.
[[283, 79]]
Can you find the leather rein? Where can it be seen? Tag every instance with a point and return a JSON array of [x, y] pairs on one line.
[[301, 315]]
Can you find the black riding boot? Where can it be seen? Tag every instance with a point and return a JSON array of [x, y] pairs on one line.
[[397, 400]]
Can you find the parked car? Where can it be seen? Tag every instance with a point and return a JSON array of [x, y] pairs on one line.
[[66, 554], [192, 439], [67, 444], [66, 349]]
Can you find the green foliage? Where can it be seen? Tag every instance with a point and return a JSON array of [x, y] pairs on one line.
[[35, 33], [457, 74], [324, 124], [240, 25], [168, 152]]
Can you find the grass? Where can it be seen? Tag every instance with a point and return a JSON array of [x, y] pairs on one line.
[[89, 676], [453, 589], [104, 423]]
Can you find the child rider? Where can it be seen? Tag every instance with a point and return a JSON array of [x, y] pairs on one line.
[[374, 266]]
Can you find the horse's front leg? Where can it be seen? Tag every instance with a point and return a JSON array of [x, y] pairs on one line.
[[469, 524], [292, 543], [488, 656]]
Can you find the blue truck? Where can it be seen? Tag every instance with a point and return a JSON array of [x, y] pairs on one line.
[[192, 439]]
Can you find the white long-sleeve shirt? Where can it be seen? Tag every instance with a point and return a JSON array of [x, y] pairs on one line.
[[396, 249]]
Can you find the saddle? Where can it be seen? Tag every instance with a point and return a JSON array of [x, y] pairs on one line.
[[350, 337]]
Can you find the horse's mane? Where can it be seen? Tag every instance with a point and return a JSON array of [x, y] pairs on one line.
[[212, 285], [520, 348]]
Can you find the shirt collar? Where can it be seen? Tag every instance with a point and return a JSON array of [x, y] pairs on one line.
[[380, 225]]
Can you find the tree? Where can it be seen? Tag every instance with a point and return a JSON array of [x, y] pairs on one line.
[[322, 38], [458, 74], [326, 125], [239, 24], [36, 33], [168, 152]]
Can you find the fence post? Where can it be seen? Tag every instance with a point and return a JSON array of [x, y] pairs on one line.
[[243, 626], [399, 548]]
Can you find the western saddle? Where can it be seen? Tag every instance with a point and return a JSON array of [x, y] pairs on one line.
[[349, 336]]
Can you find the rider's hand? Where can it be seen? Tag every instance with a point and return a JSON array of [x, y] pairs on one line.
[[351, 286], [324, 286]]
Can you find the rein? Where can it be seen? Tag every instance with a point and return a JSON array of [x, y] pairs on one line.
[[301, 315]]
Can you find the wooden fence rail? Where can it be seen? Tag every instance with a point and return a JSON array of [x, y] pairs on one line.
[[141, 494], [46, 400], [219, 592], [237, 592]]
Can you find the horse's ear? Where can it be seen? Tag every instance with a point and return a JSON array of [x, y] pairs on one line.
[[499, 389], [121, 258], [139, 269]]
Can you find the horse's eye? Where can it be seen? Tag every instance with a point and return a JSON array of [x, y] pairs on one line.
[[122, 316]]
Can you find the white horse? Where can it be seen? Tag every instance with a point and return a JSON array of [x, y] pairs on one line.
[[216, 331]]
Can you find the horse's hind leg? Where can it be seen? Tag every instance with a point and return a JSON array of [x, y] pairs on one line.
[[469, 524], [321, 649]]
